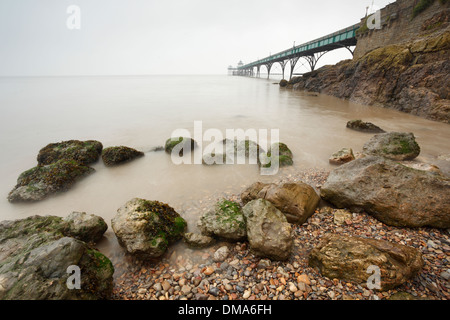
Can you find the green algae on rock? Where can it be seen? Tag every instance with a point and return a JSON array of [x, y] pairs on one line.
[[84, 152], [147, 228], [393, 145], [35, 256], [117, 155], [225, 221], [41, 181], [180, 145]]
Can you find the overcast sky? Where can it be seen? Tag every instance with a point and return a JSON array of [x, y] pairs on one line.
[[127, 37]]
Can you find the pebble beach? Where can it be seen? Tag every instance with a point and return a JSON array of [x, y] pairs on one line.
[[230, 271]]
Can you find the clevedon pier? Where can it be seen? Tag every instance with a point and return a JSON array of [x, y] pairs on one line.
[[311, 51]]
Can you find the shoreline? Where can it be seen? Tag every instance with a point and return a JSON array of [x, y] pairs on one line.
[[192, 274]]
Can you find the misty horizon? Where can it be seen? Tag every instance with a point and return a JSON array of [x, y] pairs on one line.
[[139, 37]]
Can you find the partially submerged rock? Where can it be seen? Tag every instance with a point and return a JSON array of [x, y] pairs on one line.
[[352, 259], [283, 159], [268, 232], [225, 221], [342, 156], [117, 155], [147, 228], [359, 125], [39, 182], [180, 145], [296, 200], [35, 256], [393, 145], [84, 152], [393, 193], [212, 158]]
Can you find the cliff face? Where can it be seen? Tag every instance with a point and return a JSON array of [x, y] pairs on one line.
[[413, 77], [410, 75]]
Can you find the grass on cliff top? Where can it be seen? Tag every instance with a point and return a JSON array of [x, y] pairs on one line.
[[423, 5]]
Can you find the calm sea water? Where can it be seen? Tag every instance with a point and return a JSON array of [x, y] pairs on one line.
[[142, 112]]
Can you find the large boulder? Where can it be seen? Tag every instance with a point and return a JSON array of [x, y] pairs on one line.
[[117, 155], [224, 221], [393, 193], [349, 258], [393, 145], [362, 126], [83, 152], [296, 200], [41, 181], [35, 255], [147, 228], [268, 232]]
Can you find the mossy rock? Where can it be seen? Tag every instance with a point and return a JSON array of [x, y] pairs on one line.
[[393, 145], [283, 150], [117, 155], [36, 253], [180, 144], [147, 228], [41, 181], [84, 152], [224, 221], [282, 160]]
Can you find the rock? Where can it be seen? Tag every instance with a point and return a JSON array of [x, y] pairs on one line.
[[85, 227], [296, 200], [268, 232], [341, 215], [186, 290], [215, 159], [214, 291], [224, 221], [117, 155], [393, 145], [282, 161], [348, 258], [147, 228], [221, 254], [392, 193], [83, 152], [179, 145], [304, 278], [195, 240], [34, 259], [39, 182], [283, 149], [359, 125], [283, 83], [342, 156]]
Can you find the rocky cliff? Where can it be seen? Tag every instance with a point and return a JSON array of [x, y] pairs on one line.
[[412, 76]]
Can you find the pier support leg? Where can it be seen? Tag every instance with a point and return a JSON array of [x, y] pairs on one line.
[[283, 65], [293, 62], [313, 59], [269, 66]]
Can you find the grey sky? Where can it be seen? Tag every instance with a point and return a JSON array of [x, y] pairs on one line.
[[162, 37]]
